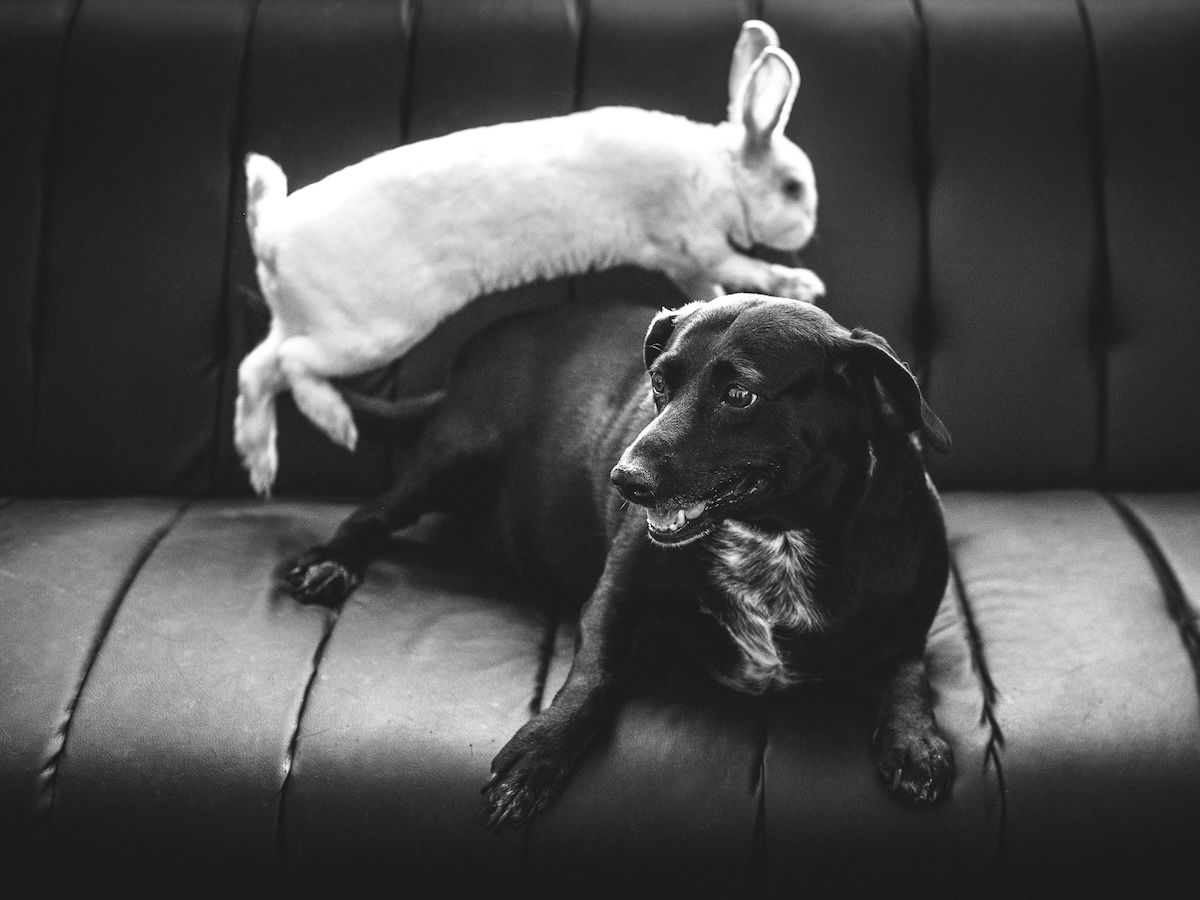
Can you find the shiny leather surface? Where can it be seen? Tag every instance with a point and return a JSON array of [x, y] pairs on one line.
[[171, 714], [1008, 193]]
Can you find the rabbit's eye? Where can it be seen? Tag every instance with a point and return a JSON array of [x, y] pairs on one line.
[[793, 188]]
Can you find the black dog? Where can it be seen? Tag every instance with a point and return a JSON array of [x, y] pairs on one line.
[[773, 506]]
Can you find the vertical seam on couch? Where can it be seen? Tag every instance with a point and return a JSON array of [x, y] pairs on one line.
[[757, 879], [987, 716], [289, 760], [233, 221], [410, 18], [924, 314], [1174, 595], [578, 16], [44, 800], [37, 327], [1100, 323]]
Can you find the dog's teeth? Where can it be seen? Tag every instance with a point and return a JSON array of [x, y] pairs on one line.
[[667, 520], [675, 519]]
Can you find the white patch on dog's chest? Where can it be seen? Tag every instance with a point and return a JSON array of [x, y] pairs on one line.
[[766, 581]]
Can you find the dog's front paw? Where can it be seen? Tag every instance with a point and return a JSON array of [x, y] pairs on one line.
[[798, 284], [316, 578], [527, 776], [916, 763]]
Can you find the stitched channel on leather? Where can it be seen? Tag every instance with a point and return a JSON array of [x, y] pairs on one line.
[[234, 223], [410, 17], [1101, 289], [758, 846], [1172, 590], [48, 778], [987, 714], [925, 330], [331, 620], [37, 323]]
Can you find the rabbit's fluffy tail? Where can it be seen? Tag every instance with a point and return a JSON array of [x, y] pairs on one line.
[[265, 183]]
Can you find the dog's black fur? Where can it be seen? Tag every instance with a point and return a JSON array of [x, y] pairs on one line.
[[779, 420]]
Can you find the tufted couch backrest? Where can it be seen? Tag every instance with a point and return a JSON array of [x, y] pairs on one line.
[[1010, 193]]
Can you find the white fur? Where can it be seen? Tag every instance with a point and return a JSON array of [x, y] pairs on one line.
[[359, 267], [766, 580]]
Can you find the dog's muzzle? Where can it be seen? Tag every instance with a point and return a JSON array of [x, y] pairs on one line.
[[675, 521]]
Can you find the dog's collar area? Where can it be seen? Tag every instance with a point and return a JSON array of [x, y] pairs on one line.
[[678, 523]]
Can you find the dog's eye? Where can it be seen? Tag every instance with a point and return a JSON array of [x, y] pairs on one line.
[[793, 188], [738, 397], [658, 384]]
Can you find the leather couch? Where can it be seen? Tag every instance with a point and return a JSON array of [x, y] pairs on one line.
[[1009, 193]]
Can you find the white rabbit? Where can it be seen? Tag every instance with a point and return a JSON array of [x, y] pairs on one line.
[[359, 267]]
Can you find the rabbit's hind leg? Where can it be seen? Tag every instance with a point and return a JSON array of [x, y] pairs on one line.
[[307, 364], [259, 380]]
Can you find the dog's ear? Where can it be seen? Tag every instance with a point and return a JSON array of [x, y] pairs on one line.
[[870, 357], [658, 335]]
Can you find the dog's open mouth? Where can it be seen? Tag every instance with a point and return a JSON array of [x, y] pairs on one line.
[[676, 522]]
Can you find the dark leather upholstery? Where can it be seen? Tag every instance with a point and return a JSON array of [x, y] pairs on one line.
[[1009, 194]]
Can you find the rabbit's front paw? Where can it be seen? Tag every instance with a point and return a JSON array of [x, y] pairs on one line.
[[798, 284]]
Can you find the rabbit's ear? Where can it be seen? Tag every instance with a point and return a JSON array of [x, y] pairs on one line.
[[756, 37], [768, 97]]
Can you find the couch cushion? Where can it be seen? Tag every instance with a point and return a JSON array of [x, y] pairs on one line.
[[65, 567], [32, 34], [429, 670], [171, 714], [1013, 243], [859, 116], [1148, 79], [1095, 690], [133, 270], [170, 717]]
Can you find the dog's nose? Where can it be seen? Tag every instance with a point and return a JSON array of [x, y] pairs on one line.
[[635, 483]]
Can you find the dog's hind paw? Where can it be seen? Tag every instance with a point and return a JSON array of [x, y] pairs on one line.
[[917, 765], [322, 581]]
